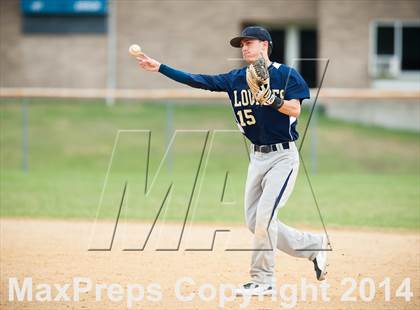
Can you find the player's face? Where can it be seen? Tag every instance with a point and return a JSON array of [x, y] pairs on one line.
[[252, 49]]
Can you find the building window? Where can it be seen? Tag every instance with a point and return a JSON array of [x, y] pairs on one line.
[[385, 40], [410, 59], [395, 50]]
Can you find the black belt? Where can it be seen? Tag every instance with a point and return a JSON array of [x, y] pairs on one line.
[[271, 147]]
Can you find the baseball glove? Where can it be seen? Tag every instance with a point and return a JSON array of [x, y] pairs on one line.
[[258, 80], [257, 76]]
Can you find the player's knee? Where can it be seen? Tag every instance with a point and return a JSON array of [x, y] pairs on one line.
[[251, 226], [261, 231]]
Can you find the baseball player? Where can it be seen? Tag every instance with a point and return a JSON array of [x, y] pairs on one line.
[[266, 99]]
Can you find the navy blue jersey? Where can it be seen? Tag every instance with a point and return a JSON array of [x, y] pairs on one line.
[[260, 124]]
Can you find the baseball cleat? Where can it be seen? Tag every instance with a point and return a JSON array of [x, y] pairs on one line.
[[320, 261], [254, 289]]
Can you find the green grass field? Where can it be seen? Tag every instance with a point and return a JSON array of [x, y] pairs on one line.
[[362, 176]]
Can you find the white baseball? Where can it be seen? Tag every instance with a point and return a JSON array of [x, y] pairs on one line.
[[134, 50]]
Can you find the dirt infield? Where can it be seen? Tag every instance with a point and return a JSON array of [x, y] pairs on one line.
[[55, 253]]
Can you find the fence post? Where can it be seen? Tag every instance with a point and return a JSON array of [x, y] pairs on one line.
[[25, 135], [169, 132], [314, 141]]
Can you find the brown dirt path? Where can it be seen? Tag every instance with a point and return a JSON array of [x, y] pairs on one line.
[[55, 252]]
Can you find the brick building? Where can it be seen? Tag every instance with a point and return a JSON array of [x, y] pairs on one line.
[[370, 43]]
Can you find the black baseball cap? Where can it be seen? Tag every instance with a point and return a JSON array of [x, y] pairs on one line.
[[253, 32]]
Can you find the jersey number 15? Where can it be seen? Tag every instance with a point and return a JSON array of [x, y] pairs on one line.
[[245, 117]]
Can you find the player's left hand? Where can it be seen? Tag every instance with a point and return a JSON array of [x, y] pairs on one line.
[[258, 80], [265, 96]]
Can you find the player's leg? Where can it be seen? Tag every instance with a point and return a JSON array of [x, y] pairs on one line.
[[289, 239], [275, 184], [298, 243], [253, 191]]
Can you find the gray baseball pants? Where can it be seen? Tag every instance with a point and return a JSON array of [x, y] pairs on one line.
[[270, 181]]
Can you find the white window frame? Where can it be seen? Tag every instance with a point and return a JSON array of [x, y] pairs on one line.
[[397, 57]]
